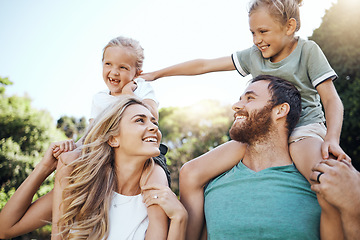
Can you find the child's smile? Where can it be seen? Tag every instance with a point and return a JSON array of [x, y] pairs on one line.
[[118, 68], [270, 36]]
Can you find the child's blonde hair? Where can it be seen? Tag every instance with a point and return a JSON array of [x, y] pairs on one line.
[[282, 10], [87, 198], [130, 44]]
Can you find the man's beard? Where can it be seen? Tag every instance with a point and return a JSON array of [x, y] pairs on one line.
[[253, 129]]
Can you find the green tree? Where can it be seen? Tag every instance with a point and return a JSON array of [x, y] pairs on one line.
[[338, 36], [25, 133], [73, 128], [191, 131]]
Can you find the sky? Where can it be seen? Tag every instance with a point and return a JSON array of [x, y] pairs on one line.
[[51, 50]]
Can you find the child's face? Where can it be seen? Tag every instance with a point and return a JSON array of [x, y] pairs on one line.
[[270, 36], [118, 68]]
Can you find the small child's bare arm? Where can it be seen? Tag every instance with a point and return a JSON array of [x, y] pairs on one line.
[[193, 67]]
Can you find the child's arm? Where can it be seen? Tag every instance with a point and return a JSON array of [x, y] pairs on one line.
[[194, 67], [196, 173], [169, 202], [158, 220], [334, 111], [20, 215]]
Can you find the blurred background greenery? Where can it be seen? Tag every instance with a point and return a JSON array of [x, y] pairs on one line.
[[25, 132]]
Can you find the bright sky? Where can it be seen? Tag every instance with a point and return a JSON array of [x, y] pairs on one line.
[[52, 50]]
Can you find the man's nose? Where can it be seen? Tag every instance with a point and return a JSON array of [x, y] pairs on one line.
[[238, 106]]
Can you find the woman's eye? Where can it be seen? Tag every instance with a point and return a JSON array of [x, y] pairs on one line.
[[140, 120], [250, 98], [156, 123]]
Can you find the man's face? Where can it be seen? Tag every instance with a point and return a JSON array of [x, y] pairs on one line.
[[253, 114]]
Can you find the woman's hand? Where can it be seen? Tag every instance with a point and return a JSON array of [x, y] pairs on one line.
[[165, 198]]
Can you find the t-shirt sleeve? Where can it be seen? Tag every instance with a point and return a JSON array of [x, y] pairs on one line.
[[144, 90], [100, 101], [241, 61], [318, 66]]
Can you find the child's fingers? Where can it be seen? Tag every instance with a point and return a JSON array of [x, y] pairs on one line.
[[325, 150]]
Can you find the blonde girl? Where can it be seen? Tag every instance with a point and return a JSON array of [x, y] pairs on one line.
[[278, 52], [98, 195]]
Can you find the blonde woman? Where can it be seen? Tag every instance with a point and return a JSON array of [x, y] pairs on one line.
[[98, 195]]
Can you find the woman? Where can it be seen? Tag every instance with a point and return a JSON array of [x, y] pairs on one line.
[[105, 181], [102, 198]]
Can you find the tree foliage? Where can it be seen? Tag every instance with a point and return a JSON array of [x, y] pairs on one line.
[[72, 127], [25, 133], [191, 131], [338, 38]]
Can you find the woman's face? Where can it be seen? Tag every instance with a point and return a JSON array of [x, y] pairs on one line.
[[139, 133]]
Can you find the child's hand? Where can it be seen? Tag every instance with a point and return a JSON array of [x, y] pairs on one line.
[[332, 147], [63, 146], [148, 76], [165, 198], [129, 88]]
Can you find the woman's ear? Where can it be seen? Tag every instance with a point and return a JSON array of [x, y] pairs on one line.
[[291, 26], [282, 110], [113, 142]]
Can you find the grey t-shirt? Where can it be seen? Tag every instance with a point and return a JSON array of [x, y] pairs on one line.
[[306, 67]]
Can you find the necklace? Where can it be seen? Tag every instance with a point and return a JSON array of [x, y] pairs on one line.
[[116, 204], [128, 198]]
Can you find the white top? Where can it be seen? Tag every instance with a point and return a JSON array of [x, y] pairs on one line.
[[128, 218], [103, 99]]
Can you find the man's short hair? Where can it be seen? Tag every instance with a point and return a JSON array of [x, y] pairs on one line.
[[282, 91]]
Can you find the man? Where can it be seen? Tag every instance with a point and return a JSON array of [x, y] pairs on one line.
[[263, 196]]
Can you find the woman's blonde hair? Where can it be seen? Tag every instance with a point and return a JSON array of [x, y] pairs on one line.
[[282, 10], [87, 198], [130, 44]]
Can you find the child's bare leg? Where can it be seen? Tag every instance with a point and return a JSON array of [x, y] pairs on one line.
[[192, 197], [305, 154]]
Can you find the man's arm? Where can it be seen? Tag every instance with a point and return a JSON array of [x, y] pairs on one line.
[[340, 186]]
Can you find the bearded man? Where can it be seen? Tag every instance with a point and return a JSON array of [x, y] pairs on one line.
[[264, 196]]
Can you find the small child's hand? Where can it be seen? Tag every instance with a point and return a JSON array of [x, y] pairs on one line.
[[332, 147], [63, 146], [129, 88], [148, 76]]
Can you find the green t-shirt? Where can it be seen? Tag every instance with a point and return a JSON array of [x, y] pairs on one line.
[[275, 203], [306, 67]]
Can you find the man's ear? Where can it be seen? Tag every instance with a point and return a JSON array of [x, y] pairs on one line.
[[291, 26], [281, 110], [113, 142]]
